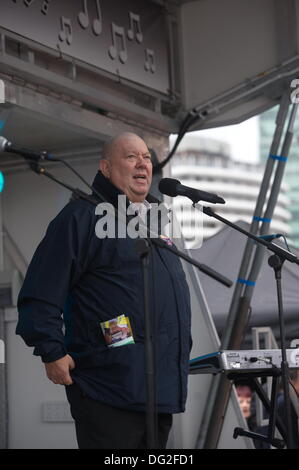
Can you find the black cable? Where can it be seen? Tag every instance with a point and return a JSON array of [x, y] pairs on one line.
[[79, 176], [189, 120], [286, 243]]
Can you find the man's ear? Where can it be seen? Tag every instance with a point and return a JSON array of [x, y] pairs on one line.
[[105, 167]]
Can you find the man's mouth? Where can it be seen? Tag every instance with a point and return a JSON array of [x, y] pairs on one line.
[[140, 177]]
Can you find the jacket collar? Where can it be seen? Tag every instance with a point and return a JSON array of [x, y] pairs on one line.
[[110, 192]]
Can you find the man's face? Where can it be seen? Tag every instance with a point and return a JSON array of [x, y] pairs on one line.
[[244, 396], [129, 167]]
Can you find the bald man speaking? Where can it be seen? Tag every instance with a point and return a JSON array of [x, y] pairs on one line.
[[81, 308]]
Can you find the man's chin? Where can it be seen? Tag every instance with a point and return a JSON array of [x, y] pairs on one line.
[[140, 192]]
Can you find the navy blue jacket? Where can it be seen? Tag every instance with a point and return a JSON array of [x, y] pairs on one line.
[[76, 280]]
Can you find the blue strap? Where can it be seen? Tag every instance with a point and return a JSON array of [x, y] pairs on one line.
[[281, 158], [262, 219], [2, 124], [246, 282]]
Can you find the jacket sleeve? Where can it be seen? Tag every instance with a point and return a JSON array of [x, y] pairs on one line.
[[56, 266]]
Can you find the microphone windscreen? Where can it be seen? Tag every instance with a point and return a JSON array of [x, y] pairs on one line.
[[168, 186]]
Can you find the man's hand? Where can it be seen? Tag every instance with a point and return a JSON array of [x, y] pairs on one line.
[[59, 371]]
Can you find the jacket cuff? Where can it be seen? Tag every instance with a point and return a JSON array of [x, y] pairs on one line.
[[53, 355]]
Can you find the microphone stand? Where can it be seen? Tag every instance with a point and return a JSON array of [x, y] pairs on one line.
[[42, 171], [143, 249], [276, 261]]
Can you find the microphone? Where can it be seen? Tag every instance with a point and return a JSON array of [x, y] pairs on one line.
[[6, 146], [173, 188]]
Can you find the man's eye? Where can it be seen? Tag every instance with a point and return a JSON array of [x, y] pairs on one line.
[[147, 158]]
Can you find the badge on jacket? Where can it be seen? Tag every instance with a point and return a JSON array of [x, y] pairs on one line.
[[117, 331], [166, 239]]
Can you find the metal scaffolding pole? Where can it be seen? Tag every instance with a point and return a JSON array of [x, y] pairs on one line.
[[238, 314], [259, 254]]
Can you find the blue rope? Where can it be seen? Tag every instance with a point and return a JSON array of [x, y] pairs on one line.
[[246, 282], [262, 219], [281, 158]]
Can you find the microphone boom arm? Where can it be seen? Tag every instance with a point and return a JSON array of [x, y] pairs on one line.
[[281, 252]]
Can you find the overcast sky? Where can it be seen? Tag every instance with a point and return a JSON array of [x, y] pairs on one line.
[[243, 139]]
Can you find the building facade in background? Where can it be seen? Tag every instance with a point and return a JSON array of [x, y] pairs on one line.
[[291, 176], [205, 164]]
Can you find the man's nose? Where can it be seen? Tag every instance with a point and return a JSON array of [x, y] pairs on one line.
[[140, 162]]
